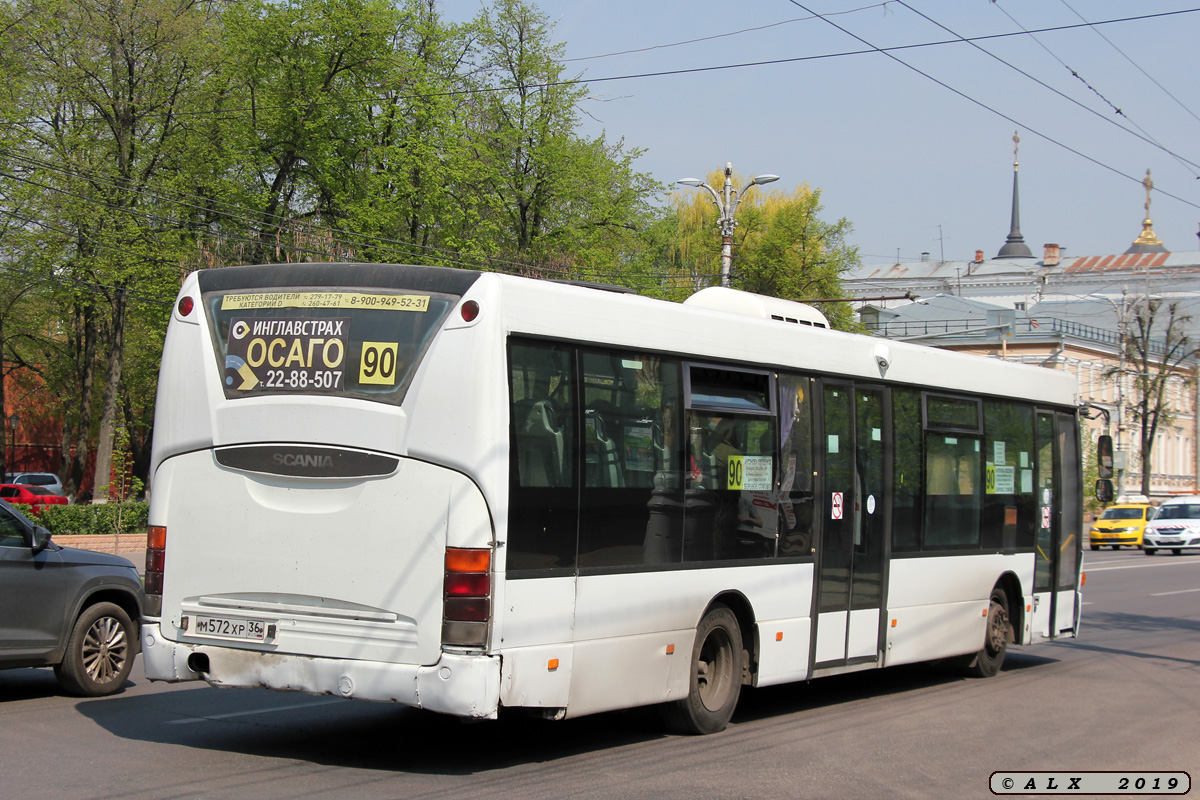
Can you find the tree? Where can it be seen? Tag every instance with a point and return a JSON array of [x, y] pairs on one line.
[[302, 77], [1157, 352], [107, 84], [553, 198], [782, 247]]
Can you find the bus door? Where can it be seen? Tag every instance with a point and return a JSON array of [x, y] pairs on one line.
[[855, 530], [1060, 524]]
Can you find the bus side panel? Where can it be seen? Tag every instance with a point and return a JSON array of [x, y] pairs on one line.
[[182, 418], [631, 651], [344, 568], [534, 633], [939, 604], [1066, 608]]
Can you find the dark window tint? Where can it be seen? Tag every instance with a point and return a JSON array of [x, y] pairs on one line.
[[631, 509], [1124, 513], [730, 498], [544, 495], [37, 479], [951, 413], [1178, 511], [1047, 499], [870, 441], [906, 471], [12, 531], [795, 470], [733, 390], [1071, 518], [953, 491], [1010, 504]]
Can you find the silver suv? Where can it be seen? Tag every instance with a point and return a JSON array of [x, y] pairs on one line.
[[74, 610], [47, 480]]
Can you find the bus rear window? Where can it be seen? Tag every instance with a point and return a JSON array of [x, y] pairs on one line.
[[363, 343]]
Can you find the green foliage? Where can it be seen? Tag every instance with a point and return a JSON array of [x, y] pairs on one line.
[[781, 246], [99, 519], [142, 139]]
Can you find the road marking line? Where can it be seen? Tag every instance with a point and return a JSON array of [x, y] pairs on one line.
[[1181, 591], [1164, 563], [292, 707]]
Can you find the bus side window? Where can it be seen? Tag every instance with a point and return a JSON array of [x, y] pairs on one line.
[[541, 415], [795, 468], [543, 506]]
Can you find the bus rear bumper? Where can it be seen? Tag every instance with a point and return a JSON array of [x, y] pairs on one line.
[[459, 684]]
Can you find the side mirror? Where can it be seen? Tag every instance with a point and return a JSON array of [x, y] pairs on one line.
[[1104, 454], [39, 538], [1104, 490]]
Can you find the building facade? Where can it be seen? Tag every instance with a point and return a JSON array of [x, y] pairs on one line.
[[1080, 314]]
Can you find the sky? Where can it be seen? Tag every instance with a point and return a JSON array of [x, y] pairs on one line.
[[916, 162]]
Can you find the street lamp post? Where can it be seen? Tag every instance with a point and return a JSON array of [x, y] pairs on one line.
[[14, 422], [1122, 312], [727, 204]]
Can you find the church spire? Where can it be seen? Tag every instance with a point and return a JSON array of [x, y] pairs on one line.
[[1147, 242], [1014, 245]]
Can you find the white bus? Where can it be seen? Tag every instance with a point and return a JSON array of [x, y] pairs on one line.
[[469, 492]]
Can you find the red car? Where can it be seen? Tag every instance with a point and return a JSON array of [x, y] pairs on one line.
[[34, 496]]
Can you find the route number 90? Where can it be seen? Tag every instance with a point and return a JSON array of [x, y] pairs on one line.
[[378, 363]]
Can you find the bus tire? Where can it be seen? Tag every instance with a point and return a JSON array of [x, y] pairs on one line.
[[998, 633], [715, 679], [99, 653]]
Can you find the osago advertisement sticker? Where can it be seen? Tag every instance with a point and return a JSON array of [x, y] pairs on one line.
[[286, 354]]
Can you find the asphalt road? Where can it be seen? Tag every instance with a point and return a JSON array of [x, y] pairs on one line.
[[1125, 696]]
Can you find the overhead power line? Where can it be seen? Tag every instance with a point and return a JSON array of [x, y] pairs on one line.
[[1183, 162], [235, 114], [724, 35], [1145, 137], [986, 107], [1097, 31]]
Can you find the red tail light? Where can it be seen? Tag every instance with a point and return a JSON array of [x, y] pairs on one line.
[[156, 557], [466, 596]]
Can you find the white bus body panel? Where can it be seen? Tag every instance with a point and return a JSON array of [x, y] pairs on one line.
[[634, 632], [464, 685], [1066, 611], [940, 604], [314, 556]]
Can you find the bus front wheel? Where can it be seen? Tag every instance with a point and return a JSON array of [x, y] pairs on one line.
[[715, 679], [998, 634]]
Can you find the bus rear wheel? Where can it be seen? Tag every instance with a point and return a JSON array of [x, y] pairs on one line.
[[997, 635], [716, 677]]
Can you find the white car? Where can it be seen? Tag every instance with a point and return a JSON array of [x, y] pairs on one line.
[[1175, 527]]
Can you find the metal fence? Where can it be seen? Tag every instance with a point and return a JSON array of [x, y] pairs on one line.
[[982, 329]]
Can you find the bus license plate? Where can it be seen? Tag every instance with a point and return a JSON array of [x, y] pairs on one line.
[[254, 630]]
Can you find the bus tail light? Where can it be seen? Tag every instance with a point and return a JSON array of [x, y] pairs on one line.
[[467, 596], [156, 557]]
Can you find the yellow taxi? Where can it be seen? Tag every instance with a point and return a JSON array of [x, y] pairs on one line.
[[1121, 524]]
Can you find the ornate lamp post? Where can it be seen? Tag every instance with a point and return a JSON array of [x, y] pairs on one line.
[[727, 204]]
